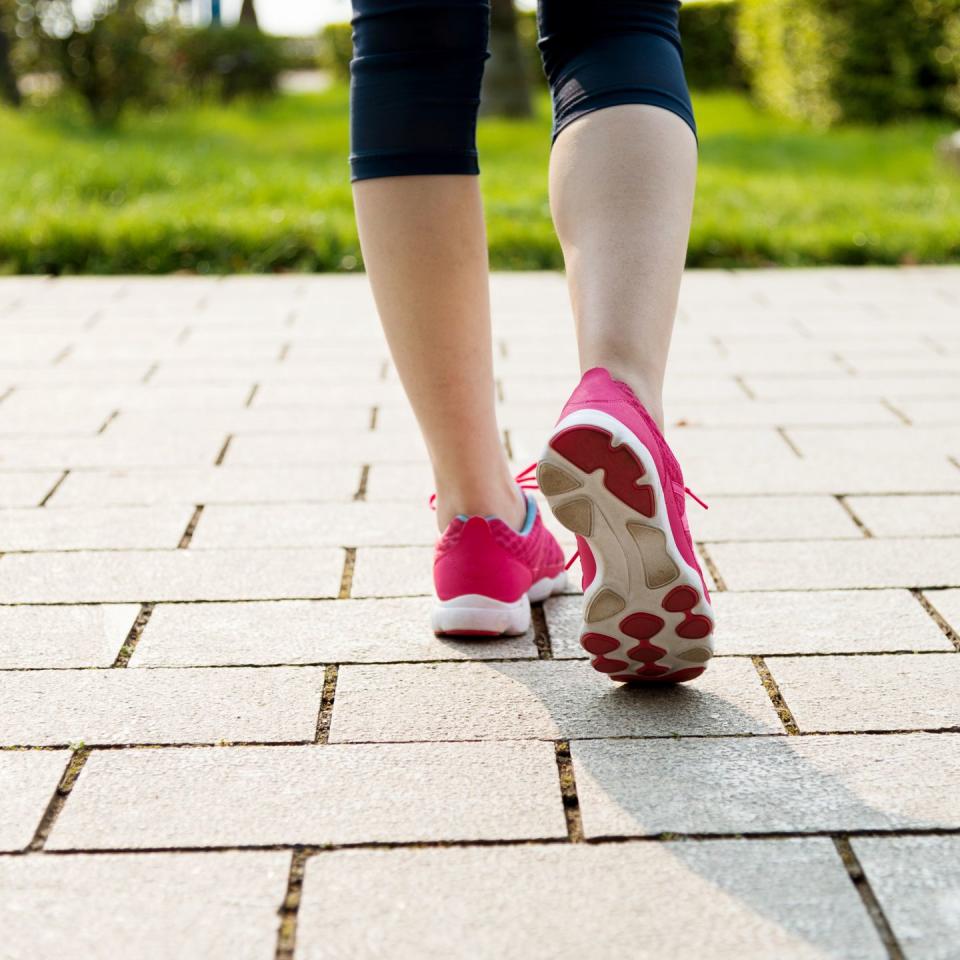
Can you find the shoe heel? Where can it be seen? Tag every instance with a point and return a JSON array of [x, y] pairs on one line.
[[474, 615]]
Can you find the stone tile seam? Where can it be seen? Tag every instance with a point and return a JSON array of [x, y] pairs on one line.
[[611, 839], [346, 744]]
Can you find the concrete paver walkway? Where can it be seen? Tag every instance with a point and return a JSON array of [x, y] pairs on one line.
[[228, 732]]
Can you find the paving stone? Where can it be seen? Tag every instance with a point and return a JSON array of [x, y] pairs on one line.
[[773, 518], [828, 621], [220, 906], [58, 420], [242, 421], [93, 528], [798, 565], [845, 387], [762, 623], [393, 572], [28, 779], [304, 525], [208, 485], [344, 793], [719, 899], [779, 413], [87, 636], [26, 489], [911, 443], [768, 784], [156, 575], [941, 409], [157, 450], [909, 516], [917, 883], [541, 699], [160, 706], [947, 604], [294, 631], [313, 448], [892, 692]]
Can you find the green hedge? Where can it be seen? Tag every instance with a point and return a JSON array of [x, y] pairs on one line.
[[860, 60], [709, 32], [229, 62], [336, 49]]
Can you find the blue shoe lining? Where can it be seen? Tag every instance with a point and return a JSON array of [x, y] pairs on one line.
[[528, 520]]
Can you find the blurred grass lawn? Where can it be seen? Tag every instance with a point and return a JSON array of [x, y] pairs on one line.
[[264, 187]]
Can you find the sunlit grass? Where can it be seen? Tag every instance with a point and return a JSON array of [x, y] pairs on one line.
[[265, 187]]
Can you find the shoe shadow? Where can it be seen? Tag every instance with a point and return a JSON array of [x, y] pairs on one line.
[[696, 784]]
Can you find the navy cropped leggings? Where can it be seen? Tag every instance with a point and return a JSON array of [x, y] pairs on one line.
[[418, 64]]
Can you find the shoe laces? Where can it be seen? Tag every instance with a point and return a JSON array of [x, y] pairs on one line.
[[526, 479], [686, 490]]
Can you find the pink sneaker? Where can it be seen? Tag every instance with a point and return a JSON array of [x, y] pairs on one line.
[[611, 478], [486, 574]]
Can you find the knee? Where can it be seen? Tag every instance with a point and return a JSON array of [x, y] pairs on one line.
[[611, 52], [415, 85]]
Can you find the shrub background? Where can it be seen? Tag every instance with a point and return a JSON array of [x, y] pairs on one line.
[[709, 33], [871, 61]]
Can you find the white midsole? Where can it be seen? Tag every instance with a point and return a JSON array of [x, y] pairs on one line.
[[476, 613]]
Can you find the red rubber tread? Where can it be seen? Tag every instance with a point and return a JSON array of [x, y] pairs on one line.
[[608, 666], [598, 643], [591, 448]]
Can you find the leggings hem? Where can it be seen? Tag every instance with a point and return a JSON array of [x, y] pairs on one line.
[[376, 166], [615, 98]]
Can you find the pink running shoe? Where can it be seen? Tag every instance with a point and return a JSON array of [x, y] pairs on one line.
[[611, 478], [486, 574]]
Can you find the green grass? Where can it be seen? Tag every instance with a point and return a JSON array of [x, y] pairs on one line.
[[264, 187]]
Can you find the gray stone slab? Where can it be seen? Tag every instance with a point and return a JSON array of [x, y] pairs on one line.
[[919, 516], [121, 576], [274, 704], [161, 906], [927, 444], [93, 528], [339, 631], [63, 636], [317, 448], [833, 564], [917, 882], [772, 518], [544, 699], [947, 604], [768, 784], [343, 793], [26, 489], [724, 900], [317, 525], [208, 485], [28, 452], [393, 572], [28, 779], [885, 692], [826, 621]]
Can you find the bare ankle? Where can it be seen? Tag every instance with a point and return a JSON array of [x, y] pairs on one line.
[[498, 498]]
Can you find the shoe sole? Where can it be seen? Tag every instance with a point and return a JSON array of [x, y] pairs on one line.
[[476, 615], [645, 613]]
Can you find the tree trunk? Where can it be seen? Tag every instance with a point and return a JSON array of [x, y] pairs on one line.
[[8, 80], [506, 86], [248, 14]]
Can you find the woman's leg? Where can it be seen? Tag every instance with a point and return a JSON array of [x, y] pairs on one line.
[[415, 89], [622, 175]]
